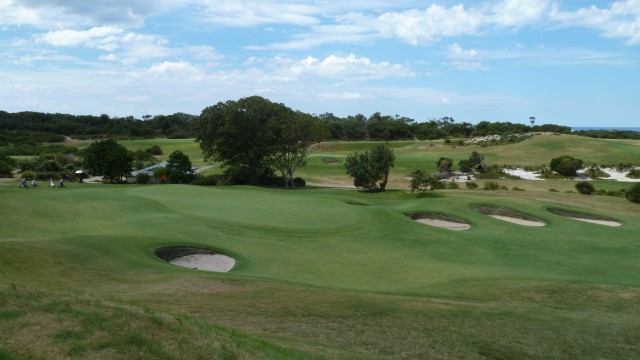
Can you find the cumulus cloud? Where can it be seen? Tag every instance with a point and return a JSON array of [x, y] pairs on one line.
[[429, 25], [517, 13], [12, 12], [130, 46], [620, 20], [103, 37], [172, 67], [345, 67]]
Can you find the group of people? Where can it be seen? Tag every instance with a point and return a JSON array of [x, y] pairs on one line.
[[34, 183]]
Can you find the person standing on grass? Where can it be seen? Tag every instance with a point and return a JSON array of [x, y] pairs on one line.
[[34, 183], [62, 182], [23, 184], [52, 184]]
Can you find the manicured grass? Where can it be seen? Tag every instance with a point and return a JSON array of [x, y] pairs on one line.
[[316, 274], [324, 273]]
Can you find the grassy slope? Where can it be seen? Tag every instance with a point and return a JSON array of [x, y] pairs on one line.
[[321, 276]]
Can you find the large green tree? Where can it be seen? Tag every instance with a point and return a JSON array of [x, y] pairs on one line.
[[295, 132], [252, 135], [109, 159], [179, 169], [370, 170]]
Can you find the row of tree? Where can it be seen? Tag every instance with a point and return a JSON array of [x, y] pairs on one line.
[[15, 127]]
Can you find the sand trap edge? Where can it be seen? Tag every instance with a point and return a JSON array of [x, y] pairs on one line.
[[195, 258], [441, 221], [511, 216], [594, 219]]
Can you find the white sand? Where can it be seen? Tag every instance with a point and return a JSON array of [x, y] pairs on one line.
[[524, 174], [518, 221], [207, 262], [451, 225], [599, 222], [618, 175]]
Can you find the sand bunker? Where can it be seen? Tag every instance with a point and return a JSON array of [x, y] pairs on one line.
[[195, 258], [585, 217], [509, 216], [440, 221]]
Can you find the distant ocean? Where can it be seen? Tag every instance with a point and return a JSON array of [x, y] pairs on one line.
[[576, 128]]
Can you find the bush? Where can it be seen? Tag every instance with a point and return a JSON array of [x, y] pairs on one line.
[[566, 165], [471, 185], [633, 194], [585, 187], [491, 185], [299, 182], [160, 174], [154, 150], [515, 188], [28, 175], [634, 174], [553, 190], [143, 178], [422, 182], [453, 185], [595, 172], [209, 180]]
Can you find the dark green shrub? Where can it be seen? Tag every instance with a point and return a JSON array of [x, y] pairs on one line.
[[515, 188], [491, 185], [566, 165], [209, 180], [154, 150], [553, 190], [471, 185], [143, 178], [633, 194], [299, 182], [502, 187], [585, 187]]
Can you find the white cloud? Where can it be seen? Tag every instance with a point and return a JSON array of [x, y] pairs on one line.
[[16, 14], [103, 37], [252, 13], [131, 47], [348, 67], [457, 52], [420, 27], [620, 20], [517, 13], [173, 67]]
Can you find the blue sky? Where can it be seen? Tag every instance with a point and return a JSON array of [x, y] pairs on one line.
[[566, 62]]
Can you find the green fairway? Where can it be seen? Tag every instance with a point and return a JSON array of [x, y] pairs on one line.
[[322, 272]]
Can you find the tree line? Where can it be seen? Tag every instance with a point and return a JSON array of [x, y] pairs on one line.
[[29, 128]]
